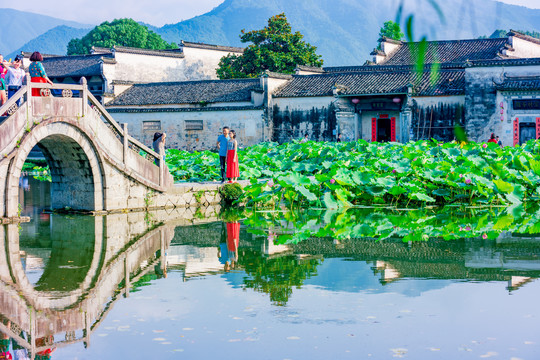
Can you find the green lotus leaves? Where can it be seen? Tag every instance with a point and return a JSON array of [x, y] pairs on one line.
[[337, 175]]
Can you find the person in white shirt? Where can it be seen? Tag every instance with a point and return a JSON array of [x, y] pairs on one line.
[[14, 76]]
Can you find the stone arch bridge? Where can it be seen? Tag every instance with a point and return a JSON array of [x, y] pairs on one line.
[[95, 164]]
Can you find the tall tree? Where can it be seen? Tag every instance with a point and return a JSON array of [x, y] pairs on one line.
[[273, 48], [391, 30], [123, 32]]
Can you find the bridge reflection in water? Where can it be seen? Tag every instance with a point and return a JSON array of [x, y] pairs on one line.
[[63, 285], [56, 290]]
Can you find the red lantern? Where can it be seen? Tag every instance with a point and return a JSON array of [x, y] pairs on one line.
[[355, 100]]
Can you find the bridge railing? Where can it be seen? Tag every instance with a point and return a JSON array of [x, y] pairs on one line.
[[24, 95]]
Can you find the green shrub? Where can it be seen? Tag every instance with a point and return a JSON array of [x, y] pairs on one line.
[[231, 192]]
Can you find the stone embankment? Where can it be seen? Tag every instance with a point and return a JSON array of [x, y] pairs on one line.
[[182, 195]]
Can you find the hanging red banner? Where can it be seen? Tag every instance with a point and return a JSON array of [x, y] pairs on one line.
[[516, 132], [538, 127], [393, 129], [373, 129]]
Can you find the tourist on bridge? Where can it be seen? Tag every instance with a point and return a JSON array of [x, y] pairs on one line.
[[3, 87], [222, 142], [14, 76], [37, 72], [3, 97], [233, 171]]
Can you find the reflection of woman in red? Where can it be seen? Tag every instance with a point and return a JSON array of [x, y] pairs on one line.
[[233, 240]]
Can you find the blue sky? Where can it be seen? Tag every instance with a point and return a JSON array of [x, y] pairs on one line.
[[155, 12]]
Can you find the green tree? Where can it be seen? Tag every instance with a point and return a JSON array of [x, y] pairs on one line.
[[391, 30], [122, 32], [273, 48]]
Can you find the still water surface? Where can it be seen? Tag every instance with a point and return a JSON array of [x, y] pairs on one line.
[[167, 285]]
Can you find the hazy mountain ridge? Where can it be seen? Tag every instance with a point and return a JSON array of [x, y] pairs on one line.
[[20, 27], [53, 42], [344, 31]]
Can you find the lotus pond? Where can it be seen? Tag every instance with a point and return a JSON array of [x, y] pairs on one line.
[[337, 175], [379, 282]]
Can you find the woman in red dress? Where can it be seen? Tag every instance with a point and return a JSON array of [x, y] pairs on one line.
[[233, 171], [37, 72]]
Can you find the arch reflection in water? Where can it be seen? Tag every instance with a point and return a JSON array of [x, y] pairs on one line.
[[87, 264]]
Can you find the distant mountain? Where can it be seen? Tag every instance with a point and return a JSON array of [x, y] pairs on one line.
[[52, 42], [19, 27], [344, 31]]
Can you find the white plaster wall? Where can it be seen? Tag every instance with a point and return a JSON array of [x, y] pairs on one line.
[[119, 89], [272, 83], [146, 68], [247, 123], [389, 48], [257, 98], [502, 123], [203, 61], [524, 48], [491, 72], [198, 64]]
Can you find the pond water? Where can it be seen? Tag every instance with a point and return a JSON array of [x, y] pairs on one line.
[[180, 285]]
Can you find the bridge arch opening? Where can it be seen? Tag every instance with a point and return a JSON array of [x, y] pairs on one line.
[[72, 181], [75, 168]]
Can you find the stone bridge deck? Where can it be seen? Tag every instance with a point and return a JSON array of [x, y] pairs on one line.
[[95, 164]]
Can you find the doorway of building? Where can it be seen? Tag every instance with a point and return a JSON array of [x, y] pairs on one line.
[[527, 131], [384, 130]]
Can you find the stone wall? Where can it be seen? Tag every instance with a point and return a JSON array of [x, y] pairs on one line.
[[248, 124]]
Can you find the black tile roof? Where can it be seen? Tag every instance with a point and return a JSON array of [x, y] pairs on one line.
[[177, 53], [448, 82], [212, 47], [74, 66], [449, 51], [504, 62], [388, 68], [310, 68], [525, 83], [181, 109], [188, 92]]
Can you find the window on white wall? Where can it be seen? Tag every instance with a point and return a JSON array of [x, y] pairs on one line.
[[151, 125], [194, 125]]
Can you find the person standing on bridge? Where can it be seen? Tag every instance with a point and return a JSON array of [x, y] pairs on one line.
[[3, 87], [37, 72], [14, 76]]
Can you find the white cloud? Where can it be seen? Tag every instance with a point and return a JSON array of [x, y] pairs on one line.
[[155, 12]]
